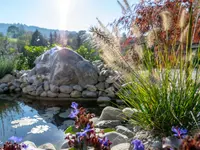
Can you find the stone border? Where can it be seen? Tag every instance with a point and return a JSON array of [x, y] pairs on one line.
[[67, 99]]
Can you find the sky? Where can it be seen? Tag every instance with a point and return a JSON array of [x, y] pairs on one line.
[[70, 15]]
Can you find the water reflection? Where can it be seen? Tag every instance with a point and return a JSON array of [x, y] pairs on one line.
[[37, 121]]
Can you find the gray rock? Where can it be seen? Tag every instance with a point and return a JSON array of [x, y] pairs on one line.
[[94, 120], [53, 110], [47, 146], [171, 142], [157, 144], [66, 89], [104, 73], [64, 146], [103, 99], [54, 88], [51, 94], [121, 146], [142, 135], [65, 114], [1, 91], [89, 94], [102, 94], [110, 80], [46, 85], [3, 85], [66, 67], [107, 85], [116, 138], [63, 95], [23, 85], [88, 74], [30, 144], [77, 88], [30, 88], [129, 111], [33, 93], [125, 131], [7, 78], [17, 90], [39, 90], [5, 89], [43, 94], [101, 78], [108, 123], [66, 124], [111, 113], [75, 94], [91, 88], [111, 94], [100, 86], [11, 88], [100, 66], [24, 90]]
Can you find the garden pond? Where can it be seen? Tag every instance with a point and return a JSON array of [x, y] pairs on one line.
[[37, 121]]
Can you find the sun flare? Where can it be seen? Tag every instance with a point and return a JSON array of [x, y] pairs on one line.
[[64, 7]]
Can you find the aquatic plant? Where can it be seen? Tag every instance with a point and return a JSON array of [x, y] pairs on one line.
[[14, 146], [83, 134]]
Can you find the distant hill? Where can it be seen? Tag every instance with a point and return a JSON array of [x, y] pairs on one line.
[[44, 31]]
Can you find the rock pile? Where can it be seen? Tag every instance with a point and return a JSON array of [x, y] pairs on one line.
[[63, 73]]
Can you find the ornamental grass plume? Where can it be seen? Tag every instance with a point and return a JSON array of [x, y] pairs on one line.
[[152, 36], [166, 20], [182, 22]]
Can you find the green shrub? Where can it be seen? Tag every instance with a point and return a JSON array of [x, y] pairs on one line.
[[31, 53], [89, 54], [6, 65]]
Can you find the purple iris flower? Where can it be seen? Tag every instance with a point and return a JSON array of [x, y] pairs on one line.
[[74, 105], [74, 113], [15, 139], [24, 146], [179, 132], [84, 133], [138, 145], [104, 142]]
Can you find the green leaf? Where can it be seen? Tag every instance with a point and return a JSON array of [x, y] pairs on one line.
[[72, 148], [70, 130], [108, 130]]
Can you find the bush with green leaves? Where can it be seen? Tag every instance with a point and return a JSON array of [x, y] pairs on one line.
[[89, 54], [31, 53], [7, 64]]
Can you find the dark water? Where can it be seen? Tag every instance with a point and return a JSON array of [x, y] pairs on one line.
[[28, 119]]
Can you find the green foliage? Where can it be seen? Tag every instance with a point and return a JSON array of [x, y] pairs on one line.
[[89, 54], [32, 52], [21, 63], [71, 130], [6, 65]]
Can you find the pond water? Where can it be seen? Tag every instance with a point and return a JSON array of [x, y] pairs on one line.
[[39, 122]]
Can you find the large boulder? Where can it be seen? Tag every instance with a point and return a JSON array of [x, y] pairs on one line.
[[66, 67]]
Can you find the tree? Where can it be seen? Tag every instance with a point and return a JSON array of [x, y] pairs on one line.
[[13, 31], [80, 38], [38, 39], [157, 15], [55, 37], [51, 39]]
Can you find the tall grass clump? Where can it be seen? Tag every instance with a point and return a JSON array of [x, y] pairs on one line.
[[7, 64], [164, 86]]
